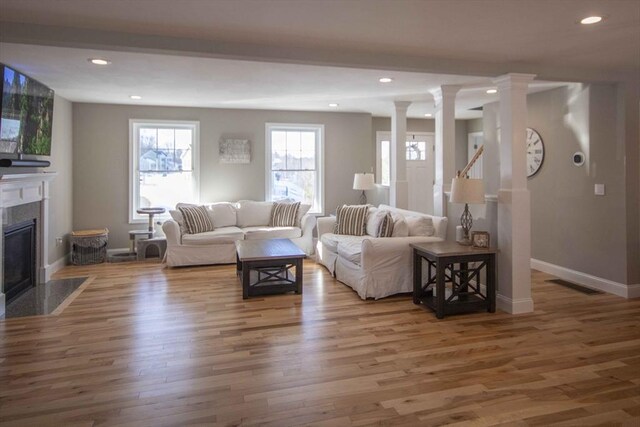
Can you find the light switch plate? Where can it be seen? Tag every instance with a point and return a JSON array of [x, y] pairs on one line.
[[599, 190]]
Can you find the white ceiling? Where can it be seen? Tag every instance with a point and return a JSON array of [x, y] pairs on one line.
[[304, 54]]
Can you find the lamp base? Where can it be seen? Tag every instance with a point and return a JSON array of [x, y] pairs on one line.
[[464, 242], [363, 198]]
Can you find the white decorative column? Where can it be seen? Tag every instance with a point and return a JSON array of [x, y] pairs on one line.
[[399, 189], [514, 201], [20, 189], [445, 103]]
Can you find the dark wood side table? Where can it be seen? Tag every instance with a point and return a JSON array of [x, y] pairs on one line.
[[264, 266], [448, 263]]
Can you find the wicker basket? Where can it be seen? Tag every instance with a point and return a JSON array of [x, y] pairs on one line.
[[89, 246]]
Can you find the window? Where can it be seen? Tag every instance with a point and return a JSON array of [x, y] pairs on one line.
[[294, 168], [163, 165]]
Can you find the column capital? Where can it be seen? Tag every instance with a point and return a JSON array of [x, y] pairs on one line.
[[401, 105], [445, 92], [513, 80]]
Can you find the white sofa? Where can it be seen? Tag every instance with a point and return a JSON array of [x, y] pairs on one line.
[[244, 220], [375, 267]]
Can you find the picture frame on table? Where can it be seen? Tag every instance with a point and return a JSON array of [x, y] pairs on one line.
[[480, 239]]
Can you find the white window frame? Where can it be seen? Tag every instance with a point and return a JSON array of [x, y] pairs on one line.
[[319, 131], [134, 158]]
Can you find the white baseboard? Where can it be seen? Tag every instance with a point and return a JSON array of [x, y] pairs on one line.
[[50, 269], [518, 306], [587, 280]]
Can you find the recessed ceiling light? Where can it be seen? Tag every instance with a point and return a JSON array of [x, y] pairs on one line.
[[491, 91], [427, 115], [333, 104], [591, 20], [99, 61], [385, 79], [135, 97]]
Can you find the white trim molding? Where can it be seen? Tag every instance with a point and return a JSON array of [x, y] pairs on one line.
[[519, 306], [51, 269], [587, 280]]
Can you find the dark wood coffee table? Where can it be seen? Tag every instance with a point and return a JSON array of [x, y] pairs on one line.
[[264, 266]]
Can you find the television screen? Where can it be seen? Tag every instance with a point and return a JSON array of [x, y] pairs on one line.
[[26, 116]]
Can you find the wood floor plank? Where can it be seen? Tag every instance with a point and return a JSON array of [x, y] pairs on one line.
[[146, 345]]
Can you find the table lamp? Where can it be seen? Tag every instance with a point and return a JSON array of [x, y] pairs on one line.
[[467, 190], [363, 181]]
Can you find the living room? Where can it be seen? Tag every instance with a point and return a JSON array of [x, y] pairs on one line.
[[249, 80]]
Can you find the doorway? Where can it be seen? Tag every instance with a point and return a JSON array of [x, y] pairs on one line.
[[420, 167]]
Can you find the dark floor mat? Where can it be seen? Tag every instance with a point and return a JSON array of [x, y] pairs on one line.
[[575, 287]]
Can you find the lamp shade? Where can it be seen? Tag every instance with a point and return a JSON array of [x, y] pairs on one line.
[[363, 181], [467, 190]]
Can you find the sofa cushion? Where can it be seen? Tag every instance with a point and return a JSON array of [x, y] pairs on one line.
[[223, 214], [251, 213], [400, 227], [266, 232], [420, 226], [196, 219], [332, 241], [348, 247], [351, 220], [284, 214], [218, 236]]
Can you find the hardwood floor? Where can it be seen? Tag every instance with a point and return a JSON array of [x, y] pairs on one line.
[[142, 345]]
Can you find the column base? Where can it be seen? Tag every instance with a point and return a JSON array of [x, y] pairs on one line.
[[520, 306]]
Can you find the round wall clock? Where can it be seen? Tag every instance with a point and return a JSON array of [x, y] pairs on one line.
[[535, 152]]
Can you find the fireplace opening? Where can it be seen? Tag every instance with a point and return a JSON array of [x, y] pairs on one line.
[[19, 242]]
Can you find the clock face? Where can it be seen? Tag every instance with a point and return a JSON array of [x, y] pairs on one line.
[[535, 152]]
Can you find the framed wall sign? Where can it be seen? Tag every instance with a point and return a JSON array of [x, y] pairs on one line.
[[235, 151]]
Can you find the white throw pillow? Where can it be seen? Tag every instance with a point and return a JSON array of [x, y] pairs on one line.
[[302, 211], [400, 227], [177, 217], [223, 214], [373, 220], [420, 226], [251, 213]]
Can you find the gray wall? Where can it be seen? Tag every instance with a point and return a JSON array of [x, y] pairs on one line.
[[101, 157], [571, 226], [61, 189]]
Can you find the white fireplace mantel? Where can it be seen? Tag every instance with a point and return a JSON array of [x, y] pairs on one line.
[[20, 189]]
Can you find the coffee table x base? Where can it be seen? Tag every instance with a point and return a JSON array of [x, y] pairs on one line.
[[264, 267]]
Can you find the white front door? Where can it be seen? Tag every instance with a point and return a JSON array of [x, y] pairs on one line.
[[420, 168]]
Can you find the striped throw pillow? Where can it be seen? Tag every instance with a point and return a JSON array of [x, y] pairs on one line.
[[351, 220], [196, 219], [385, 227], [284, 214]]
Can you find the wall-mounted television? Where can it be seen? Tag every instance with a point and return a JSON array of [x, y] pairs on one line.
[[26, 116]]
